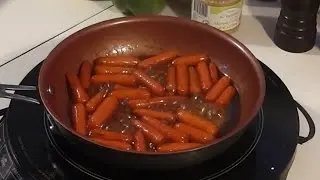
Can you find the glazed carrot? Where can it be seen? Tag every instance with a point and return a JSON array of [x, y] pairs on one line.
[[145, 103], [110, 135], [105, 69], [213, 72], [166, 130], [194, 82], [150, 132], [95, 101], [130, 94], [171, 80], [226, 96], [170, 147], [120, 87], [139, 142], [103, 112], [182, 76], [78, 92], [123, 79], [155, 114], [161, 58], [124, 61], [197, 122], [79, 119], [85, 74], [196, 135], [204, 75], [113, 144], [190, 60], [147, 81], [217, 89]]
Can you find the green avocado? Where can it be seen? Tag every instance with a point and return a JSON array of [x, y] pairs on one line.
[[140, 7]]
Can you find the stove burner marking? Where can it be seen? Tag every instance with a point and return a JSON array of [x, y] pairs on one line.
[[277, 82], [10, 176], [23, 148], [246, 154], [5, 162], [2, 134], [260, 117], [61, 153], [16, 174]]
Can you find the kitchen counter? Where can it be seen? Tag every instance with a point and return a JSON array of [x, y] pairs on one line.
[[298, 71], [26, 24]]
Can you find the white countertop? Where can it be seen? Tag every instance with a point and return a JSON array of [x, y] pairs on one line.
[[32, 26], [25, 24]]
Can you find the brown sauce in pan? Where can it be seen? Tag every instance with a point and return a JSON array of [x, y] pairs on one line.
[[224, 117]]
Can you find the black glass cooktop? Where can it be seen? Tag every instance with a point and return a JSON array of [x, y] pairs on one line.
[[30, 148]]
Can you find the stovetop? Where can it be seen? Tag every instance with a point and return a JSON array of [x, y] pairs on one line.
[[30, 148]]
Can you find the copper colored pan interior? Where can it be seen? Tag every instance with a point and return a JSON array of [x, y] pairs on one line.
[[147, 36]]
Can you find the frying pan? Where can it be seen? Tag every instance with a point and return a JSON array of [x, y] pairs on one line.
[[143, 36]]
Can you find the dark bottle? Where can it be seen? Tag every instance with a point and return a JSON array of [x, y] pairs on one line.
[[297, 25]]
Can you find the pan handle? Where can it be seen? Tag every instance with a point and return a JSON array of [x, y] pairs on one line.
[[5, 94], [3, 113], [312, 127]]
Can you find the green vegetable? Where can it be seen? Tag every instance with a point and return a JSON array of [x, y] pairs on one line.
[[121, 4], [140, 7]]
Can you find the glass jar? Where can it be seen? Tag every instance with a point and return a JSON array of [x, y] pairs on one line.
[[140, 7], [224, 15]]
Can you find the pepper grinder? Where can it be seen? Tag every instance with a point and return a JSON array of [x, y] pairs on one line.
[[297, 25]]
